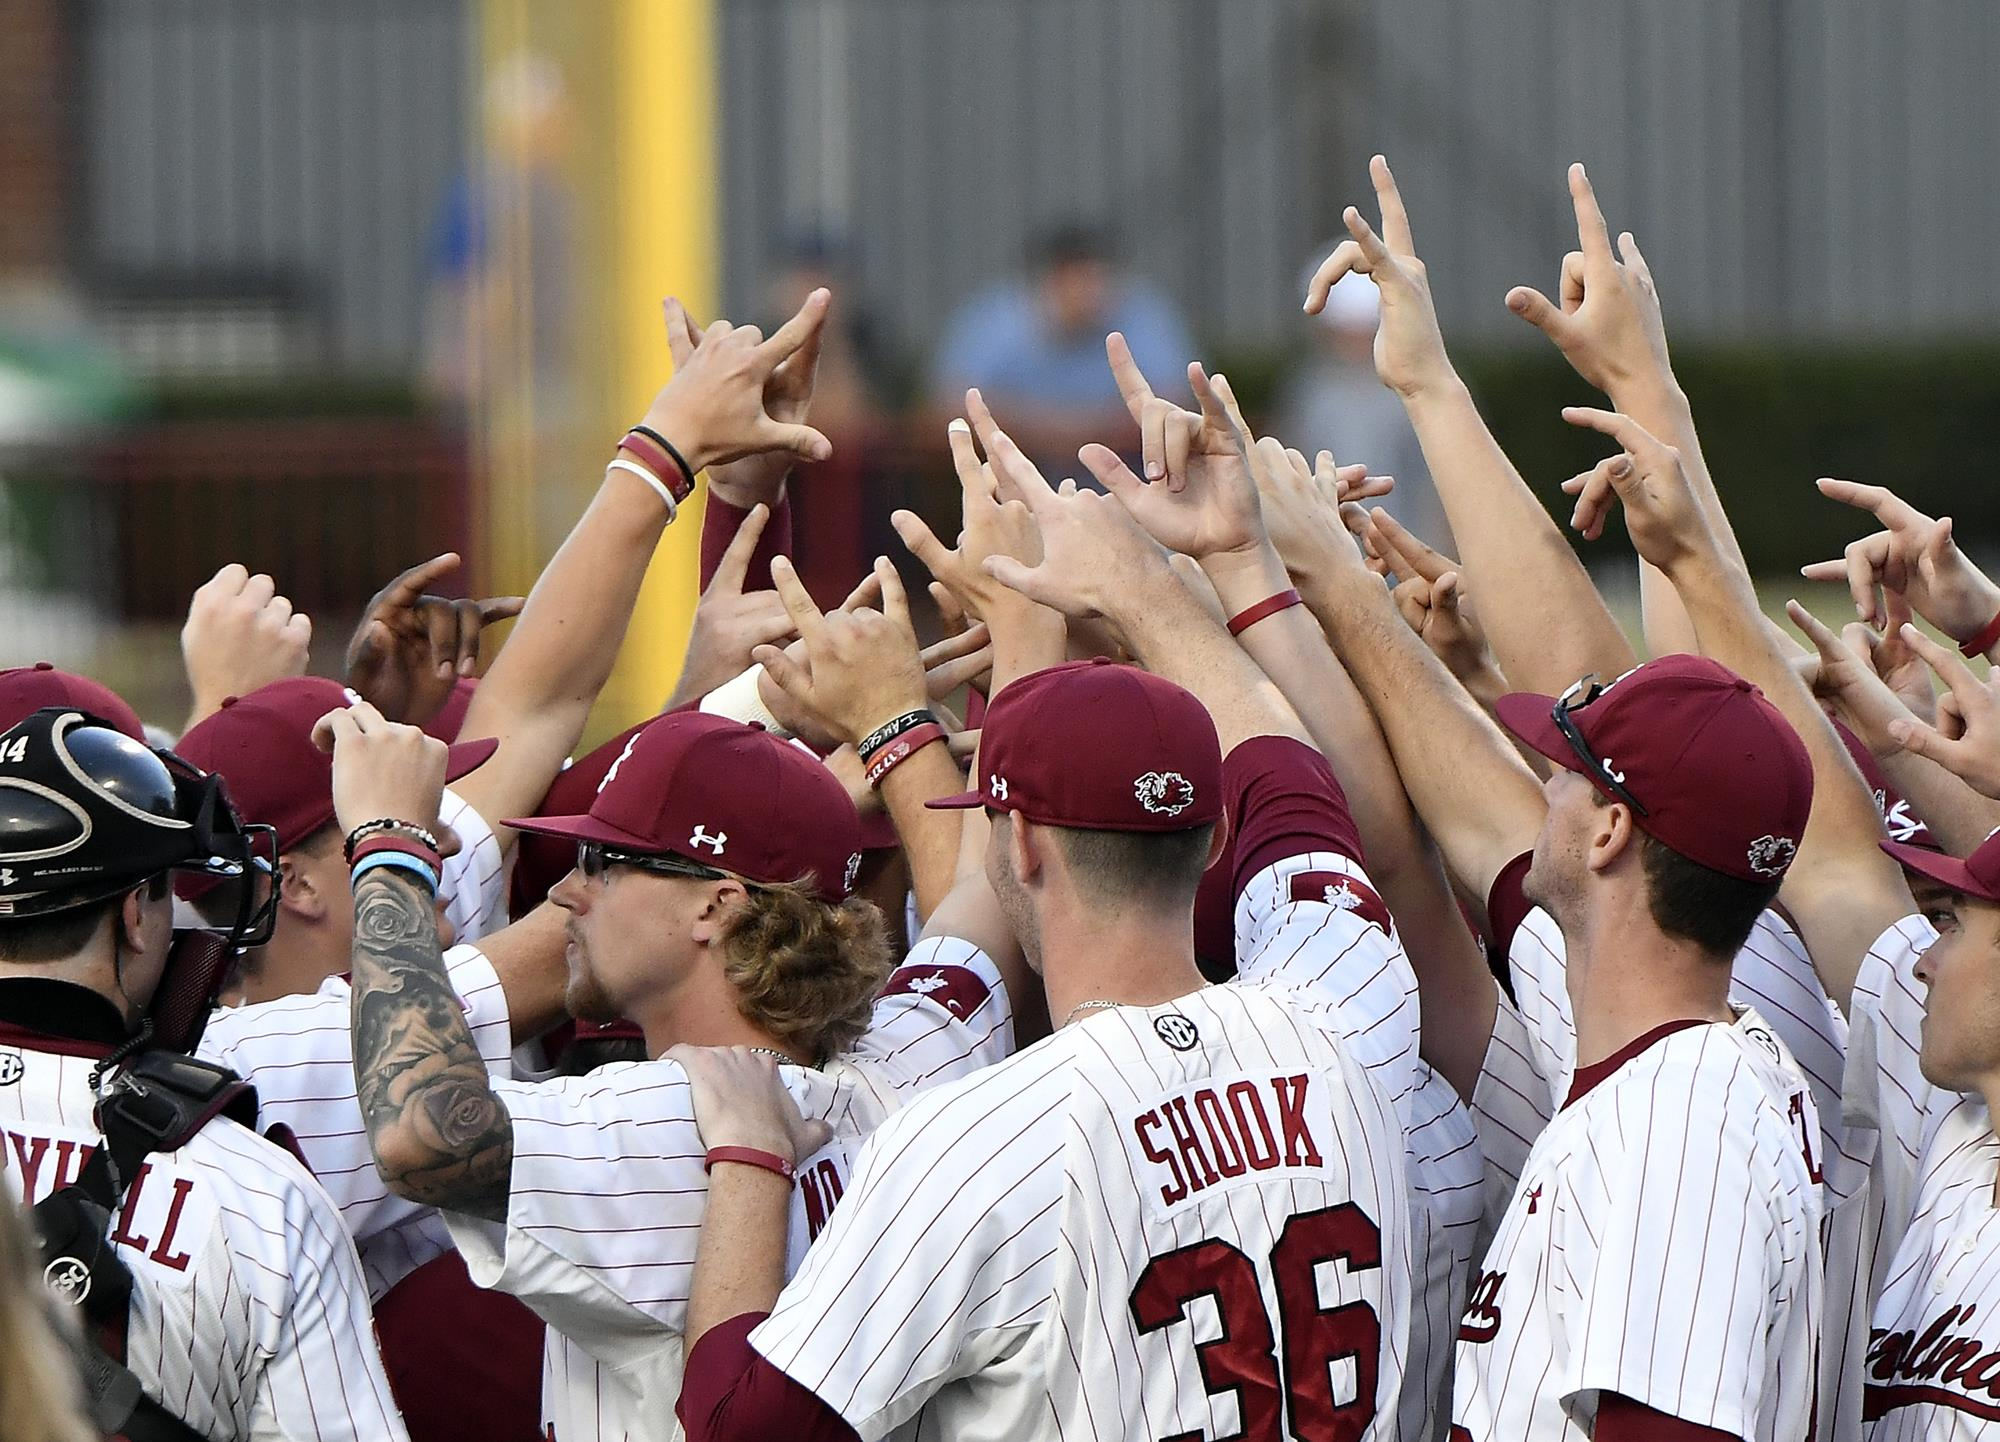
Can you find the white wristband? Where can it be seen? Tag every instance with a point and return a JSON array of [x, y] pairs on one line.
[[634, 468], [739, 700]]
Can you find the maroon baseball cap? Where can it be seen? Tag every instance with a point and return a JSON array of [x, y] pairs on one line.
[[1978, 875], [24, 690], [1101, 747], [1901, 823], [262, 747], [725, 794], [1724, 778]]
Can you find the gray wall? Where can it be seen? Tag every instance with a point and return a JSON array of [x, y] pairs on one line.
[[1797, 168], [307, 142]]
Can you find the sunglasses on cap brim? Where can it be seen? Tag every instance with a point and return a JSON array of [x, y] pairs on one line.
[[1576, 698], [594, 858]]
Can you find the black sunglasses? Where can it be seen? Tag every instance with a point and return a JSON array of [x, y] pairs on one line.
[[594, 858], [1575, 699]]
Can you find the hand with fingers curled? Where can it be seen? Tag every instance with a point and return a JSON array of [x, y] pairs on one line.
[[1430, 595], [240, 635], [994, 522], [381, 768], [1096, 561], [1915, 556], [411, 648], [758, 477], [861, 668], [1202, 502], [1301, 506], [1846, 676], [730, 622], [740, 1101], [1966, 737], [1662, 515], [1608, 323], [716, 407], [1410, 356]]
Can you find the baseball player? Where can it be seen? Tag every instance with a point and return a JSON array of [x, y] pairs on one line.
[[708, 903], [247, 1315], [1038, 1250]]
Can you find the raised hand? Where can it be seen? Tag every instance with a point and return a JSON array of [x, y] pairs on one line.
[[1430, 596], [861, 668], [716, 407], [1301, 506], [760, 476], [1662, 515], [1608, 324], [1913, 554], [1200, 500], [381, 768], [1966, 739], [1845, 680], [991, 525], [411, 647], [1095, 559], [730, 622], [240, 635], [1409, 346]]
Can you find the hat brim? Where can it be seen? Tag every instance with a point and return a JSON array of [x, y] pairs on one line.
[[1532, 719], [585, 828], [961, 801], [1945, 870], [467, 756]]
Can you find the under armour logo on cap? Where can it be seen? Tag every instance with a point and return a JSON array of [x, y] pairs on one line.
[[702, 838], [998, 786]]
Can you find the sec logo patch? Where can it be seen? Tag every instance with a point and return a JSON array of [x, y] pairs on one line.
[[1176, 1031], [11, 1068]]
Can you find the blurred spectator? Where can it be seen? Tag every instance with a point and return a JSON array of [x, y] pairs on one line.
[[1335, 402], [1036, 349]]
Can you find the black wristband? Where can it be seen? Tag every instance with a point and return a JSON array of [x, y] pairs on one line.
[[889, 730], [388, 823], [686, 489]]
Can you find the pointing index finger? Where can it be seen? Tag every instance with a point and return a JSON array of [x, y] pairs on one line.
[[799, 604], [1395, 219], [1133, 388], [734, 568], [794, 333], [1591, 230]]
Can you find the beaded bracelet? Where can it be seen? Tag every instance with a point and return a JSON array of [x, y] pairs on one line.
[[387, 824]]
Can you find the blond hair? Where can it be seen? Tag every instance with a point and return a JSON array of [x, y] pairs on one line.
[[38, 1386], [806, 970]]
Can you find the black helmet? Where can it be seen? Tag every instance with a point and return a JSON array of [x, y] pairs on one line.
[[86, 813]]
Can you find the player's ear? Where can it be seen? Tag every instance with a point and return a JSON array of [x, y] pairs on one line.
[[1613, 833], [297, 892], [130, 919], [1218, 842], [1027, 846], [721, 901]]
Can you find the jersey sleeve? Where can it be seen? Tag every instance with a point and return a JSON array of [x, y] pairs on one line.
[[603, 1209], [1512, 1102], [953, 1229], [943, 1014], [1538, 963], [473, 882], [325, 1379], [1884, 1087], [1676, 1247], [298, 1052]]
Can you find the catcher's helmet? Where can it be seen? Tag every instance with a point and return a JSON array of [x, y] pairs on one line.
[[86, 813]]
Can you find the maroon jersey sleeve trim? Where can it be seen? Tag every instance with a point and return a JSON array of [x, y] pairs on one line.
[[1620, 1419], [729, 1391], [719, 521], [1507, 907], [1283, 800]]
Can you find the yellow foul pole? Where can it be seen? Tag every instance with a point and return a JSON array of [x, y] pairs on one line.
[[663, 239]]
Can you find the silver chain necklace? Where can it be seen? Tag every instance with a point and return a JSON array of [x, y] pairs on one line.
[[774, 1054], [1088, 1006]]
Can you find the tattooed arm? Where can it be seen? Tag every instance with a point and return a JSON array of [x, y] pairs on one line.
[[439, 1134]]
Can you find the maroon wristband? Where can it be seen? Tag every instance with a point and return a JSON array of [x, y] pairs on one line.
[[404, 844], [749, 1157], [649, 451], [887, 758], [1979, 645], [1269, 606]]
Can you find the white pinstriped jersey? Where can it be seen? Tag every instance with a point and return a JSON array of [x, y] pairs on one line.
[[1933, 1364], [1084, 1240], [298, 1052], [1313, 922], [1663, 1245], [473, 882], [249, 1318], [608, 1189]]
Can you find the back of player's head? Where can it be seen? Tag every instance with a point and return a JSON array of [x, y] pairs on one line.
[[1717, 782], [1126, 766]]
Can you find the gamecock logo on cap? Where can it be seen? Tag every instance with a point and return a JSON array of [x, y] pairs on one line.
[[853, 871], [1164, 793], [1770, 855]]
